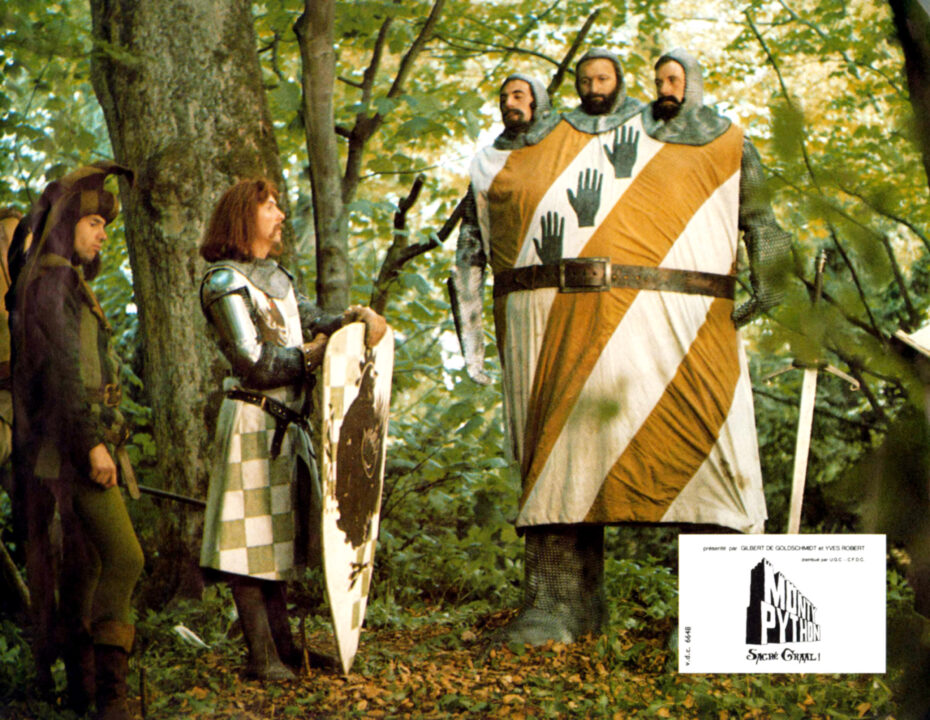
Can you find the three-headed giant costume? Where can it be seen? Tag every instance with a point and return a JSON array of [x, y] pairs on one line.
[[613, 243]]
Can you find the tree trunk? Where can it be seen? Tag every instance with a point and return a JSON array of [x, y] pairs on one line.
[[180, 86], [912, 24], [314, 30]]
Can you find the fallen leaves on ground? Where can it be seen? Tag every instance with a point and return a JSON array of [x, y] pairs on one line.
[[438, 671]]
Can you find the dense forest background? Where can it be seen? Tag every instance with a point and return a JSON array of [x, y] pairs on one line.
[[366, 113]]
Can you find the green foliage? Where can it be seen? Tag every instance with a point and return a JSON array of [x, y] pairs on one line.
[[49, 121], [832, 155], [15, 660]]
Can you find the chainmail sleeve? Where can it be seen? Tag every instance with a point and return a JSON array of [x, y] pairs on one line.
[[466, 290], [313, 320], [259, 365], [767, 245]]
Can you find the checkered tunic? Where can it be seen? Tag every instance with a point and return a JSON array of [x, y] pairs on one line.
[[250, 521]]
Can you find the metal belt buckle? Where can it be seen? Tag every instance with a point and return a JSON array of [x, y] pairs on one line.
[[112, 394], [589, 282]]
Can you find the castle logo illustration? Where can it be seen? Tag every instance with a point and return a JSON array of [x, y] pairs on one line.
[[778, 612]]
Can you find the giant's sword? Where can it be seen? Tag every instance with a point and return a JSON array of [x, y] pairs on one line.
[[806, 413]]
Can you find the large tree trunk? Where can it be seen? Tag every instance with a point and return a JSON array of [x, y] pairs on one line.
[[314, 30], [180, 85]]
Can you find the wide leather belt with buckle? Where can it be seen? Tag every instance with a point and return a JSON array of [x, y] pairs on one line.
[[573, 275], [282, 414]]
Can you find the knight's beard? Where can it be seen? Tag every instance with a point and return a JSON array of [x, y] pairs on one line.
[[598, 104], [515, 121], [666, 107]]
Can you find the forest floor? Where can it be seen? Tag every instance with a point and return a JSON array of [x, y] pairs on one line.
[[440, 666]]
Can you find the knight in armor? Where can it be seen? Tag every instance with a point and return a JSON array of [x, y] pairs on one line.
[[626, 390], [264, 488], [68, 446]]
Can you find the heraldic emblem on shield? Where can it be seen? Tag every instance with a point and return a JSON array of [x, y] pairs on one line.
[[356, 405]]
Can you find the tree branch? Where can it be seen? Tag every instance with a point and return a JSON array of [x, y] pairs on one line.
[[569, 56], [822, 411], [888, 214], [10, 570], [825, 38], [855, 276], [855, 369], [912, 314], [371, 72], [484, 48], [399, 253], [365, 125]]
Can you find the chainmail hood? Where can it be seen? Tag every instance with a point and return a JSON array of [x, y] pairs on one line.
[[623, 109], [544, 117], [695, 124]]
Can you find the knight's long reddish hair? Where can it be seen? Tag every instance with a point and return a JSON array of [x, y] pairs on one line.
[[232, 232]]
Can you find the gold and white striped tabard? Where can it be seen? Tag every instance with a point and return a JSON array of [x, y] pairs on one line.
[[625, 405]]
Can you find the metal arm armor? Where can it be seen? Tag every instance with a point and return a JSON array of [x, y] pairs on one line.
[[767, 245], [466, 290], [224, 297]]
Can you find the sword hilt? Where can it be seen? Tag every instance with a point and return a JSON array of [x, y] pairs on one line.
[[819, 265]]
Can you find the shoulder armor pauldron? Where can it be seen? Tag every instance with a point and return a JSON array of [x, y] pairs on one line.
[[220, 282]]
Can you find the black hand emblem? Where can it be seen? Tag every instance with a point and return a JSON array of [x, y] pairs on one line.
[[587, 199], [623, 153], [553, 230]]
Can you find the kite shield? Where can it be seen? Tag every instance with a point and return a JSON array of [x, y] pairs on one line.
[[355, 406]]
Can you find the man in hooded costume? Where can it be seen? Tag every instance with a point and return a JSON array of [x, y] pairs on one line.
[[528, 118], [627, 396], [68, 437]]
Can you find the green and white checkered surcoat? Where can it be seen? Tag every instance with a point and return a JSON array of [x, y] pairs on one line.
[[250, 524]]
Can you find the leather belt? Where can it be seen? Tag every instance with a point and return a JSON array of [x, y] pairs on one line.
[[110, 394], [282, 414], [117, 437], [599, 274]]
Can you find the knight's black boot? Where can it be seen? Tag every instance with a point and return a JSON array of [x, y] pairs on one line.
[[112, 644], [264, 662], [276, 607], [563, 592]]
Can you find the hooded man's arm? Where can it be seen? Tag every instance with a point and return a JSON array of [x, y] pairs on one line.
[[466, 290], [767, 245]]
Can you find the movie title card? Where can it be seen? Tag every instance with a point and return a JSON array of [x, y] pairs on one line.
[[781, 604]]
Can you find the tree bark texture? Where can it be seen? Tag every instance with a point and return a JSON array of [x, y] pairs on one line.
[[314, 30], [180, 86], [912, 25]]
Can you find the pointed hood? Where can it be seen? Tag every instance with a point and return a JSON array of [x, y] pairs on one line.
[[64, 202]]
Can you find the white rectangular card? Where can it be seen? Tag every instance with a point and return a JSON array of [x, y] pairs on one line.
[[781, 603]]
